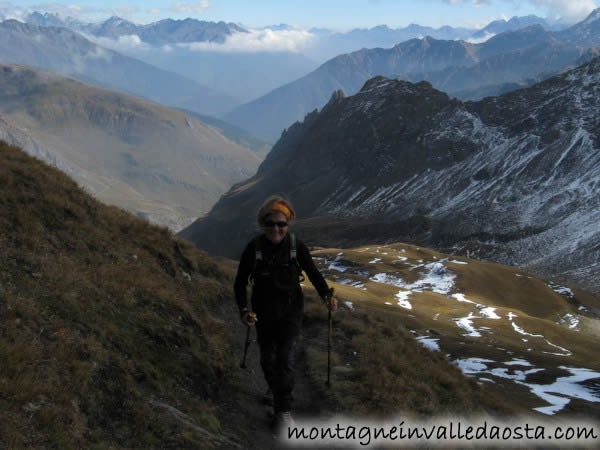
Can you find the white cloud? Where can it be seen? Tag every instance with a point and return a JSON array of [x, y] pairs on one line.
[[124, 44], [9, 12], [475, 3], [194, 8], [125, 11], [480, 40], [568, 10], [265, 40]]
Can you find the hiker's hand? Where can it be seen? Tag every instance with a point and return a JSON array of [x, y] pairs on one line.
[[248, 318], [332, 303]]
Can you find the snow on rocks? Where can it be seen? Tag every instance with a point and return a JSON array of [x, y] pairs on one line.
[[335, 265], [438, 278], [570, 320], [561, 290], [386, 278]]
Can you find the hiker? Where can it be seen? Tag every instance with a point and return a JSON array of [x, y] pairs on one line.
[[274, 261]]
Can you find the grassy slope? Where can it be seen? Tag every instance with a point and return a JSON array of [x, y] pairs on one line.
[[100, 327], [538, 309], [110, 334]]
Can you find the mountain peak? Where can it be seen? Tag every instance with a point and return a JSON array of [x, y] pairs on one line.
[[116, 21], [593, 17]]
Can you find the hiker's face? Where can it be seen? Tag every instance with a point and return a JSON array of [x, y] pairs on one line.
[[275, 227]]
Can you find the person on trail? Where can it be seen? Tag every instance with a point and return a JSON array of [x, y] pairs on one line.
[[274, 262]]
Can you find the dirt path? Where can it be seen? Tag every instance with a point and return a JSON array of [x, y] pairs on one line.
[[244, 414]]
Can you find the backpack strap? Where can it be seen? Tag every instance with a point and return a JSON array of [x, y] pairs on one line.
[[294, 256], [293, 253]]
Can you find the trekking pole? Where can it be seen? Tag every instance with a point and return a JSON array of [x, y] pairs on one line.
[[251, 316], [329, 336]]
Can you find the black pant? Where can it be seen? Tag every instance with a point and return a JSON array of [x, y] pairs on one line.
[[277, 342]]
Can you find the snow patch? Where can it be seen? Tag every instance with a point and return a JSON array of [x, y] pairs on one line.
[[462, 298], [558, 394], [466, 323], [402, 297], [429, 343]]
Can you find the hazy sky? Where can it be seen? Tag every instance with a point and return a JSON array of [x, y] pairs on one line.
[[336, 14]]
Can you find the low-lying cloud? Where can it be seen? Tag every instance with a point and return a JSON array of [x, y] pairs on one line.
[[482, 39], [123, 44], [253, 41]]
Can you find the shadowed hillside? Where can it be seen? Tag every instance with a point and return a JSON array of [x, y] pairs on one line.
[[104, 319], [113, 333]]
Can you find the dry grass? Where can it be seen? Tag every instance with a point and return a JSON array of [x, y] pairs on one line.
[[100, 313], [379, 370], [383, 370]]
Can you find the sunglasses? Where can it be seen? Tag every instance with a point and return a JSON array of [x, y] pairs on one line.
[[271, 224]]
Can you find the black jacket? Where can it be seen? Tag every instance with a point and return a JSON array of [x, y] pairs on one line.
[[276, 291]]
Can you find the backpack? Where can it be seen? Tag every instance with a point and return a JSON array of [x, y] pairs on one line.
[[264, 270]]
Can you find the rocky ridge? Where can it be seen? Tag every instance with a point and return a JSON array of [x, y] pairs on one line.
[[515, 178], [510, 59]]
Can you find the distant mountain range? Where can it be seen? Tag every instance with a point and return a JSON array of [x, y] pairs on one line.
[[170, 45], [69, 53], [513, 58], [513, 178], [335, 43], [193, 47], [167, 31], [170, 31], [157, 162]]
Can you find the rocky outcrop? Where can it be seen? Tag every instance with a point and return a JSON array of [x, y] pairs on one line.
[[515, 178]]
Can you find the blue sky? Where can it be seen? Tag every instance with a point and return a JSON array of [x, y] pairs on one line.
[[336, 14]]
